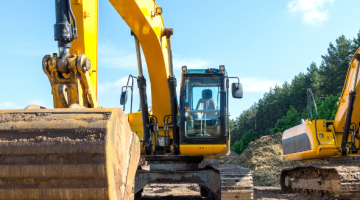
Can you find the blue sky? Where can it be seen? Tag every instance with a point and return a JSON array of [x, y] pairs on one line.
[[264, 43]]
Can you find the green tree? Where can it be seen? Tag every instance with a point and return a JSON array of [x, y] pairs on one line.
[[314, 79], [335, 64], [291, 119], [328, 108], [242, 144], [356, 42], [270, 113], [236, 147]]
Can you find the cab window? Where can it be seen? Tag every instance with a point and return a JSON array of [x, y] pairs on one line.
[[202, 106]]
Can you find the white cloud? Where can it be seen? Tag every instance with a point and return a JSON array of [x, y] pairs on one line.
[[256, 84], [12, 105], [118, 61], [195, 63], [113, 87], [313, 11], [112, 56]]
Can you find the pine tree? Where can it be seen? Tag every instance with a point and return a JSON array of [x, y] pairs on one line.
[[271, 113], [356, 43], [335, 64], [327, 109]]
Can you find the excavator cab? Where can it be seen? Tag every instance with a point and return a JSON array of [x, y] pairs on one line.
[[204, 111]]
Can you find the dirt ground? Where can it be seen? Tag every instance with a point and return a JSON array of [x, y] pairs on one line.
[[192, 192], [264, 157]]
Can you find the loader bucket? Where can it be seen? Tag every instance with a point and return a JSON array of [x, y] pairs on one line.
[[84, 153]]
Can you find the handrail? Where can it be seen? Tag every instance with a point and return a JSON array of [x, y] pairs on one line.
[[310, 97]]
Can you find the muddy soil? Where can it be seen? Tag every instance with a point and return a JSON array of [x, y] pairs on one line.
[[192, 192]]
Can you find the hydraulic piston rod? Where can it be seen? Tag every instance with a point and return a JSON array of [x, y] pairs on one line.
[[172, 89], [64, 32], [141, 81], [352, 97]]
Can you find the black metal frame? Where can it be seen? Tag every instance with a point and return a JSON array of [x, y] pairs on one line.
[[172, 90], [132, 90], [223, 137], [64, 31]]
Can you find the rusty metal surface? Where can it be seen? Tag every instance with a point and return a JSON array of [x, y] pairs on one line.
[[67, 154], [73, 85]]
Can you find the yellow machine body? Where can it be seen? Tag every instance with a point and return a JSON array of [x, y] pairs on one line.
[[321, 139], [309, 142], [79, 150], [77, 86], [303, 138], [149, 28], [208, 151], [86, 14]]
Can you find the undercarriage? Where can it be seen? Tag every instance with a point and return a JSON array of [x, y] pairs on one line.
[[340, 178], [218, 181]]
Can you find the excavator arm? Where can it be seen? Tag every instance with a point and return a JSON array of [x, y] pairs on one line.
[[73, 71], [144, 19]]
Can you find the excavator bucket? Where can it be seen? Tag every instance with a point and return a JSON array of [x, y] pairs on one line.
[[84, 153]]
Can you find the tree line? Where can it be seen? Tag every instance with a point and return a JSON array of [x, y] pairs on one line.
[[284, 106]]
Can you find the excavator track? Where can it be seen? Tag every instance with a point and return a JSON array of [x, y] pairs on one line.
[[67, 154], [340, 179], [236, 182]]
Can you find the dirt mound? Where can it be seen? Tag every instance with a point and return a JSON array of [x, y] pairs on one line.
[[264, 157]]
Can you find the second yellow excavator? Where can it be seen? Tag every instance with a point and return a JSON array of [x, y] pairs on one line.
[[336, 141], [80, 150]]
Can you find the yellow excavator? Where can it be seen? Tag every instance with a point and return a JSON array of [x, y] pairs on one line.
[[79, 150], [336, 141]]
